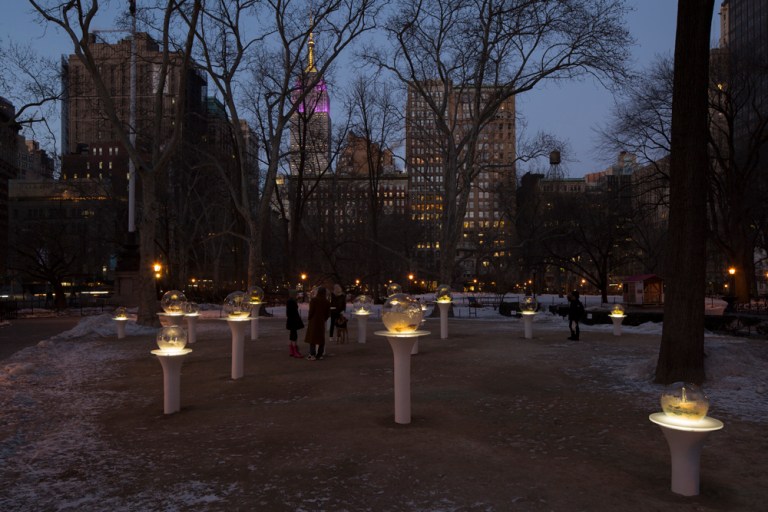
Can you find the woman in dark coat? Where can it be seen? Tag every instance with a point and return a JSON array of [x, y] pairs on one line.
[[319, 311], [293, 323]]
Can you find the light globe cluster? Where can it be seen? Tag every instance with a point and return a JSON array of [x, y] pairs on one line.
[[443, 294], [172, 302], [171, 339], [528, 306], [684, 401], [401, 313], [237, 305], [362, 305]]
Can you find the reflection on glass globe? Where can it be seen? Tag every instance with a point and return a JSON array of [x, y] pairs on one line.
[[172, 301], [362, 305], [255, 295], [393, 288], [401, 313], [617, 310], [121, 313], [443, 293], [684, 401], [172, 339], [528, 305], [236, 305], [191, 308]]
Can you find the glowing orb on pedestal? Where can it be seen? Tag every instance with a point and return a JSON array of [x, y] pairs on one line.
[[191, 308], [401, 313], [528, 306], [684, 401], [120, 313], [237, 305], [393, 288], [172, 339], [255, 295], [362, 305], [172, 302], [618, 310], [443, 293]]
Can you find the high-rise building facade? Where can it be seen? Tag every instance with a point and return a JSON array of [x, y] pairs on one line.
[[486, 227]]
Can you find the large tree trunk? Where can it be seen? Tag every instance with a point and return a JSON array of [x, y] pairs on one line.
[[148, 303], [681, 356]]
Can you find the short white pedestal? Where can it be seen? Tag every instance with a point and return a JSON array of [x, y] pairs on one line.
[[171, 363], [362, 326], [120, 327], [254, 327], [685, 441], [528, 325], [617, 319], [191, 328], [444, 319], [401, 344], [174, 319], [237, 327]]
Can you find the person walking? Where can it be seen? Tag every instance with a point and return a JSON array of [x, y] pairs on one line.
[[575, 314], [319, 311], [293, 323], [338, 306]]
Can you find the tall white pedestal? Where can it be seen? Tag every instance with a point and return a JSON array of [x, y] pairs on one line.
[[191, 328], [685, 440], [173, 319], [171, 363], [254, 328], [528, 325], [120, 322], [402, 344], [444, 306], [237, 326], [362, 326], [617, 319]]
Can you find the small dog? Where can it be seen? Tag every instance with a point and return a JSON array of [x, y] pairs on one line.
[[341, 329]]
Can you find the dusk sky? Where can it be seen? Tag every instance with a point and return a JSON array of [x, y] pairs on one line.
[[570, 111]]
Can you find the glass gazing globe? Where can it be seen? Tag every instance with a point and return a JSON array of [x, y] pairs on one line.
[[393, 288], [191, 308], [172, 302], [684, 401], [401, 313], [121, 313], [443, 293], [172, 339], [362, 305], [255, 295], [617, 310], [236, 305], [528, 306]]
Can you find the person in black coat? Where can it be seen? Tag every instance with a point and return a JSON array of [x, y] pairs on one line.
[[293, 323], [575, 314], [338, 306]]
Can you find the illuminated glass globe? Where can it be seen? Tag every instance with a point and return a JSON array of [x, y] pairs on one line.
[[528, 306], [255, 295], [172, 339], [401, 313], [172, 302], [443, 293], [121, 313], [684, 401], [362, 305], [393, 288], [191, 308], [236, 305], [617, 310]]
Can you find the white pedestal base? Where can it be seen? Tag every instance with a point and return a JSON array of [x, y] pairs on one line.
[[617, 324], [191, 329], [172, 319], [402, 345], [415, 348], [171, 364], [362, 327], [121, 327], [254, 328], [237, 327], [444, 319], [528, 325], [685, 442]]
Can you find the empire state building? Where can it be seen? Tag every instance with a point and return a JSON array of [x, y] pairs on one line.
[[310, 126]]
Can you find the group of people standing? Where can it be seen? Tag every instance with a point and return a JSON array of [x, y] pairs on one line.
[[321, 308]]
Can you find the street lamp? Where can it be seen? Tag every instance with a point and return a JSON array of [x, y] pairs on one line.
[[158, 268]]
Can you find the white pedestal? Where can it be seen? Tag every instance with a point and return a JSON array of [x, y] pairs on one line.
[[415, 347], [402, 344], [685, 441], [191, 328], [171, 363], [237, 326], [120, 327], [362, 326], [172, 319], [444, 319], [617, 319], [254, 328], [528, 325]]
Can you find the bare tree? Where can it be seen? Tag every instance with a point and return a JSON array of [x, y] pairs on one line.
[[464, 59]]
